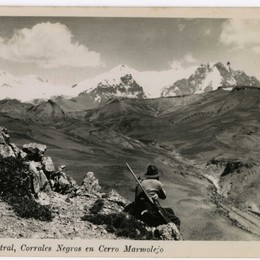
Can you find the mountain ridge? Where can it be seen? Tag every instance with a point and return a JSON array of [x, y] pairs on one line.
[[27, 88], [179, 134], [123, 81], [206, 77], [209, 77]]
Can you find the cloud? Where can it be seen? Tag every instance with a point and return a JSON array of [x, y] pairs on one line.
[[176, 65], [187, 60], [48, 45], [240, 34]]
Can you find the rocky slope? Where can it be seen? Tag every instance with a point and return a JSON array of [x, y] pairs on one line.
[[38, 201], [208, 77], [151, 81], [220, 127], [105, 90], [129, 83], [13, 107], [46, 110]]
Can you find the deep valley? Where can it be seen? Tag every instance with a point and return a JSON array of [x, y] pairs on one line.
[[206, 146]]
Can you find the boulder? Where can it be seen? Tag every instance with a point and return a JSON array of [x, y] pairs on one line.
[[105, 207], [39, 179], [72, 182], [4, 136], [6, 151], [35, 176], [18, 153], [109, 203], [63, 182], [90, 183], [168, 232], [44, 183], [2, 140], [48, 165], [34, 151], [113, 196]]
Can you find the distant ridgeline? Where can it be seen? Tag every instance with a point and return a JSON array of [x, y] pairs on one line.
[[125, 82]]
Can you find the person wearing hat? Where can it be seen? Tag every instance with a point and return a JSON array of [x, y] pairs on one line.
[[154, 188], [151, 184]]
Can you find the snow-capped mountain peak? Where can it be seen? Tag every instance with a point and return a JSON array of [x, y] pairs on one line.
[[34, 79], [110, 78], [152, 82], [27, 88], [121, 86], [124, 81], [122, 68], [209, 77]]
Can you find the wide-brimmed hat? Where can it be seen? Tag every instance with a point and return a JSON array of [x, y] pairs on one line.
[[152, 172]]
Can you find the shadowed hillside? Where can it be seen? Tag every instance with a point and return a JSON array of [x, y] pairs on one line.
[[178, 134]]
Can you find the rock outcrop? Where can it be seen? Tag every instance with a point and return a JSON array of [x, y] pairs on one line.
[[237, 180], [48, 164], [5, 147], [90, 184], [4, 136], [39, 167], [34, 151], [39, 179], [168, 232]]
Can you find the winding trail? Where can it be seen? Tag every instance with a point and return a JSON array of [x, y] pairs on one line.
[[203, 212]]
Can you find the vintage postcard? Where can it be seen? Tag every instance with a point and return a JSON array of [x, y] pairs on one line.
[[129, 132]]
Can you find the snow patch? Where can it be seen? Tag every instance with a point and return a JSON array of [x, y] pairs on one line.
[[27, 88], [213, 79], [152, 82], [97, 98], [231, 81], [228, 88]]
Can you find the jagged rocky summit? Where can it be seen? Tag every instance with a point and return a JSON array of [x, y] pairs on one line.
[[209, 77], [126, 87], [121, 81], [55, 206]]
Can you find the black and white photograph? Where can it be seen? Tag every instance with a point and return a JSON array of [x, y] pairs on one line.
[[129, 128]]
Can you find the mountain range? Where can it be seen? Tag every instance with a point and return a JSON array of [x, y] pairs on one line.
[[27, 88], [209, 77], [123, 81], [203, 135], [206, 146]]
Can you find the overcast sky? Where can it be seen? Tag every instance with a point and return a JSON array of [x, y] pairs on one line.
[[67, 50]]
